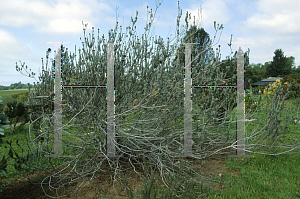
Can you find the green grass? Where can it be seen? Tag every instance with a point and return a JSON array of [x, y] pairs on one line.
[[264, 177], [261, 176], [6, 94]]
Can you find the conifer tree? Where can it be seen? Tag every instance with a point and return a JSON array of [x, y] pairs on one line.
[[279, 66], [196, 35]]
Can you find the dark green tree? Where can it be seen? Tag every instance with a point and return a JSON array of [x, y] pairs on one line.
[[254, 73], [296, 70], [4, 88], [14, 111], [249, 75], [291, 64], [258, 68], [229, 67], [291, 61], [207, 55], [196, 35], [280, 65], [3, 121], [265, 67], [199, 63]]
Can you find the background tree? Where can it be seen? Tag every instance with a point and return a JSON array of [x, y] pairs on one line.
[[296, 70], [255, 73], [259, 70], [3, 121], [207, 58], [229, 67], [250, 74], [291, 78], [197, 35], [280, 65], [265, 67], [291, 63], [14, 112]]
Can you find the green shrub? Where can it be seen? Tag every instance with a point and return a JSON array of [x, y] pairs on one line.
[[294, 91], [270, 91], [3, 121], [15, 113], [291, 78]]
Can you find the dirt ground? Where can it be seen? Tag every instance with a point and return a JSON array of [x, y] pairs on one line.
[[102, 187]]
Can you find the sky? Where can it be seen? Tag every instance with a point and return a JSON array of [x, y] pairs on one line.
[[29, 27]]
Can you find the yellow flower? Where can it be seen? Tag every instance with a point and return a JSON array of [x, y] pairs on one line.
[[72, 79], [271, 90], [134, 102]]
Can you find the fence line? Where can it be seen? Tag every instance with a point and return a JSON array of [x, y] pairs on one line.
[[110, 105], [240, 145]]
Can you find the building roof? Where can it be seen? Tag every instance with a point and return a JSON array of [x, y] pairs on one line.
[[267, 81]]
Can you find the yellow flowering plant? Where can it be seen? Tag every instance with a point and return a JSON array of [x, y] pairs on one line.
[[71, 80], [271, 89]]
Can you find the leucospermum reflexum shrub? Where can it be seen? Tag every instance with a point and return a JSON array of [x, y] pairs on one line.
[[136, 101], [154, 127]]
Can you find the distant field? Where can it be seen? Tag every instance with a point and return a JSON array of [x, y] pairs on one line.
[[6, 93]]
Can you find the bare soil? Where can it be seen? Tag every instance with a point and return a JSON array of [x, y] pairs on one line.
[[29, 185]]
